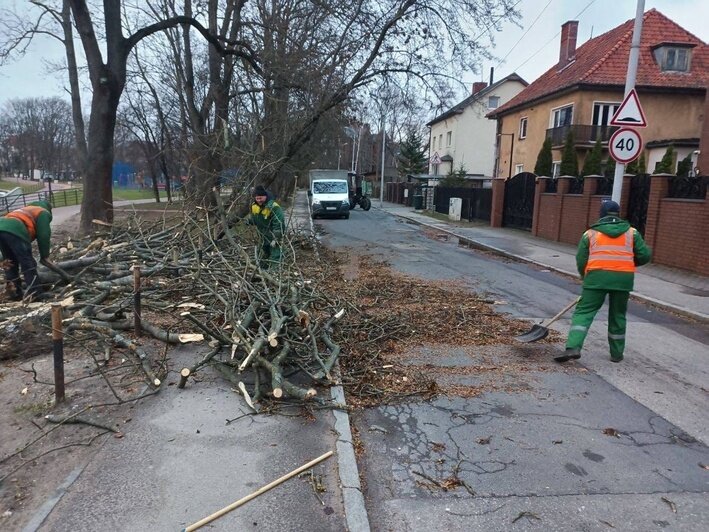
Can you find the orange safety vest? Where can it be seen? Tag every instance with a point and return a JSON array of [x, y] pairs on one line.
[[610, 253], [28, 216]]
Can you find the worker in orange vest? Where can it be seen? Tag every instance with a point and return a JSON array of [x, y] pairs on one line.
[[18, 229], [606, 259]]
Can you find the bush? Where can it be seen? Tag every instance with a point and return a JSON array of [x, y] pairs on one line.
[[544, 160], [592, 164], [569, 162]]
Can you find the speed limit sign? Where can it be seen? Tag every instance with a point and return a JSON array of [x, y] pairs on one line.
[[625, 145]]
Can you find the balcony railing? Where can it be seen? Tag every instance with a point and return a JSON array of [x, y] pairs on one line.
[[583, 134]]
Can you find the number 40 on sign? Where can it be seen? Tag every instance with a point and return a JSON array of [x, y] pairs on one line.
[[625, 145]]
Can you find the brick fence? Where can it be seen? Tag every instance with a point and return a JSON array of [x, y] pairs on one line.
[[674, 229]]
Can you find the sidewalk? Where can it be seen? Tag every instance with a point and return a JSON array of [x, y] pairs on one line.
[[675, 290]]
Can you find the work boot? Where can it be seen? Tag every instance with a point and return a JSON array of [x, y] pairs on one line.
[[569, 354], [617, 359]]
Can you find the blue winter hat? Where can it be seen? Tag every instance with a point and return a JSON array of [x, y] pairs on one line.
[[609, 207]]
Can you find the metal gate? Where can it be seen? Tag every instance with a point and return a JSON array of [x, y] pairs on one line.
[[638, 201], [519, 201]]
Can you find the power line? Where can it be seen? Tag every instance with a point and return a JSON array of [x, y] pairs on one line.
[[553, 38], [525, 33]]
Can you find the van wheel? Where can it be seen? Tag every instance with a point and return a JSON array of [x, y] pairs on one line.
[[347, 216]]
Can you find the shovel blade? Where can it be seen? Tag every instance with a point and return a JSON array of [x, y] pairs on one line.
[[536, 333]]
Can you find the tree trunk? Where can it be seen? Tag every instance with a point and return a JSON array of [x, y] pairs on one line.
[[97, 202], [74, 90]]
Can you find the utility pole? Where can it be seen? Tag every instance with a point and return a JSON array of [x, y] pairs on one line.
[[629, 85]]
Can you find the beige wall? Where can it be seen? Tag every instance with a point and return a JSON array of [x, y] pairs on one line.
[[669, 116]]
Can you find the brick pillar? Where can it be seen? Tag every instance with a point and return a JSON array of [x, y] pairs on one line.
[[659, 188], [498, 202], [561, 190], [590, 187], [625, 195], [539, 189]]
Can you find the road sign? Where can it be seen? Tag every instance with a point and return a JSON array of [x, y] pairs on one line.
[[630, 113], [625, 145], [436, 159]]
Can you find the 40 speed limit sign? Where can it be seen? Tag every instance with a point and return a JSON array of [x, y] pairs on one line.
[[625, 145]]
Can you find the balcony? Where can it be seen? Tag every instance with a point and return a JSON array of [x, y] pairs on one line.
[[583, 134]]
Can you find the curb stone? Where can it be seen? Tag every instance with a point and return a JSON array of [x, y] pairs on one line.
[[487, 247]]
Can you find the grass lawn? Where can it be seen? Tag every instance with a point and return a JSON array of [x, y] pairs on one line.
[[27, 186], [126, 194]]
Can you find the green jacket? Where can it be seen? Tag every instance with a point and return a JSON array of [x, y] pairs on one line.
[[604, 279], [44, 231], [268, 220]]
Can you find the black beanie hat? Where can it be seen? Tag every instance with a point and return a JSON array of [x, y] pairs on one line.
[[609, 207], [260, 190]]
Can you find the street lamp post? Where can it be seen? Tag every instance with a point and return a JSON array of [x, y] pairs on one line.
[[381, 178]]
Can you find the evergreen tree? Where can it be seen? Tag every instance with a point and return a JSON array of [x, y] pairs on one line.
[[667, 164], [609, 170], [412, 155], [685, 166], [592, 164], [455, 178], [637, 167], [544, 160], [569, 162]]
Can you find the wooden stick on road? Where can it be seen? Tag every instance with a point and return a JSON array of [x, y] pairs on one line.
[[255, 494]]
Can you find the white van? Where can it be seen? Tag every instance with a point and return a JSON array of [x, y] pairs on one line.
[[329, 197]]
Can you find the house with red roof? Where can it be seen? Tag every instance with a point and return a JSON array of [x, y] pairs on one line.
[[582, 91]]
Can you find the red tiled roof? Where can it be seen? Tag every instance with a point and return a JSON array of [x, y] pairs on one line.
[[604, 61]]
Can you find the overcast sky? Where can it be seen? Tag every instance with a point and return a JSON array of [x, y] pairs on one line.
[[529, 57]]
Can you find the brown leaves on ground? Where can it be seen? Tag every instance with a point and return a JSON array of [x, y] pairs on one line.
[[390, 314]]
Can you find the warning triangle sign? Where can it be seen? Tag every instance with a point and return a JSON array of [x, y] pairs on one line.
[[629, 113]]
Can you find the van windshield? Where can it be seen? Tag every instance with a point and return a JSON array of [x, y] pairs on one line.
[[330, 187]]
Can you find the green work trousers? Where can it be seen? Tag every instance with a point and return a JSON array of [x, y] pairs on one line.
[[591, 301], [270, 257]]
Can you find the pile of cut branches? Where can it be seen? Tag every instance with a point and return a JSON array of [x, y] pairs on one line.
[[268, 331]]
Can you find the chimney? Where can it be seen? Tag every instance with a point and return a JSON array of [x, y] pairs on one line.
[[567, 51], [478, 86]]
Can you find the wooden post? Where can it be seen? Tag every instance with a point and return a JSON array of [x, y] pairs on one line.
[[136, 301], [58, 347]]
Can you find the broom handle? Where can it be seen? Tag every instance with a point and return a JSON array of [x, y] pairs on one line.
[[563, 311]]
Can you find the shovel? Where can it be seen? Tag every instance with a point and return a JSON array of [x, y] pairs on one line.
[[540, 331]]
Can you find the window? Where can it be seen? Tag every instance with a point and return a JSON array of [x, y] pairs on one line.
[[603, 112], [493, 102], [555, 168], [523, 128], [434, 143], [673, 58], [329, 187], [440, 140], [449, 138], [519, 168], [562, 116]]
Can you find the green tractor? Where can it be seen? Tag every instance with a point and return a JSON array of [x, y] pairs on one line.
[[360, 190]]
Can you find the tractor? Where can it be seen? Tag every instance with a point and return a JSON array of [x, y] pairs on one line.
[[359, 192]]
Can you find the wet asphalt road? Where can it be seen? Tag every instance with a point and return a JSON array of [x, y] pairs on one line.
[[537, 459]]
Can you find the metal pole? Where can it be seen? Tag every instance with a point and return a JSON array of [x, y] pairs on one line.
[[58, 348], [352, 166], [381, 182], [629, 85], [512, 150]]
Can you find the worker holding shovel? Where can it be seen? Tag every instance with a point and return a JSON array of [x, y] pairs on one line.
[[18, 229], [606, 259]]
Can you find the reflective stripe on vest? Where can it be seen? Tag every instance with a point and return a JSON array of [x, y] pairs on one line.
[[610, 253], [28, 216]]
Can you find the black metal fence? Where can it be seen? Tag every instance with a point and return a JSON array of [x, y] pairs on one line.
[[476, 202], [60, 198], [576, 186], [694, 187]]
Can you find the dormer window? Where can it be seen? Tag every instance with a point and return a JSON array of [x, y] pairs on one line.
[[673, 58]]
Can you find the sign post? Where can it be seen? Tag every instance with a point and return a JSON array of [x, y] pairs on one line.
[[629, 86]]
